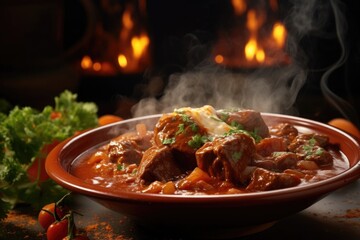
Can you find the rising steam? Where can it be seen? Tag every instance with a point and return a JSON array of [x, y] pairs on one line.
[[267, 90]]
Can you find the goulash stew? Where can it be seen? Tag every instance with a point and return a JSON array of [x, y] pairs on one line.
[[208, 151]]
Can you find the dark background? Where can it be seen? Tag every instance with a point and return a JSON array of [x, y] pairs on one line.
[[43, 41]]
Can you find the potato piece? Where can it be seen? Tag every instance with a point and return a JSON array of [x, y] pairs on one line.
[[169, 188]]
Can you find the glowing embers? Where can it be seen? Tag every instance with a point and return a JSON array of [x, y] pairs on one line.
[[254, 37], [121, 42]]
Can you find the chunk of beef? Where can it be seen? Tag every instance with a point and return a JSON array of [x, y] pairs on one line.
[[285, 130], [128, 150], [246, 119], [264, 162], [285, 160], [226, 157], [157, 164], [176, 131], [316, 154], [309, 140], [265, 180], [269, 145], [277, 161]]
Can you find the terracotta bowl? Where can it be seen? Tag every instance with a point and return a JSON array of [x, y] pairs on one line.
[[244, 213]]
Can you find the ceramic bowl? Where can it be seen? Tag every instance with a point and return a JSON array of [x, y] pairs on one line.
[[245, 213]]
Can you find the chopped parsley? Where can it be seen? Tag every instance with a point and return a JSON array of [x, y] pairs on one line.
[[194, 127], [197, 141], [120, 167], [319, 151], [309, 146], [181, 129], [253, 134], [168, 141]]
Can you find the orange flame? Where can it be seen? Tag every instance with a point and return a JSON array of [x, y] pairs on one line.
[[279, 34], [133, 43], [259, 40], [254, 52], [239, 6], [128, 52]]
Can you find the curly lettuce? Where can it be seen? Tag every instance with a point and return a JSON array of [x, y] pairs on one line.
[[23, 134]]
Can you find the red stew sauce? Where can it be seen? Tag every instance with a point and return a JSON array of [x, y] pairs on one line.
[[208, 151]]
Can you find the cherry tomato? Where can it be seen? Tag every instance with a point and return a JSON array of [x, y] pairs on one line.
[[46, 215], [55, 115], [58, 230]]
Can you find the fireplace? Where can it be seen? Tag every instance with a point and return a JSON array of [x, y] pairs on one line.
[[139, 49]]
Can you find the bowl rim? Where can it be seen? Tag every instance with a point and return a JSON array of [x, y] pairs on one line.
[[321, 188]]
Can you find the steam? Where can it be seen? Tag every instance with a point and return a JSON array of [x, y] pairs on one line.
[[267, 90], [224, 89]]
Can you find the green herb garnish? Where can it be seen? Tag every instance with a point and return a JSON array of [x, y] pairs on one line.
[[168, 141], [197, 141]]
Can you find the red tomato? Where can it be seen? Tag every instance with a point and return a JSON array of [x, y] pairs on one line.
[[55, 115], [46, 215], [58, 230], [37, 171]]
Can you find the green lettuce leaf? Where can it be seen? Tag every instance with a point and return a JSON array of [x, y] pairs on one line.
[[23, 134]]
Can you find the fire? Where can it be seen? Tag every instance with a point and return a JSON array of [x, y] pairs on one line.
[[139, 45], [122, 60], [127, 48], [239, 6], [133, 42], [250, 49], [279, 34], [258, 36], [86, 62]]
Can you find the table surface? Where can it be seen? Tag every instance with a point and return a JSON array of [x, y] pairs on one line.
[[337, 216]]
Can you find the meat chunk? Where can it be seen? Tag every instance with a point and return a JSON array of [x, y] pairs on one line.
[[311, 147], [269, 145], [285, 160], [309, 140], [316, 154], [264, 180], [128, 150], [178, 132], [158, 164], [227, 157], [285, 130], [245, 119]]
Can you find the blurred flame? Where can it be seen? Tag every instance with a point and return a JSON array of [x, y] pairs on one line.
[[253, 22], [86, 62], [253, 51], [260, 55], [139, 45], [239, 6], [122, 60], [127, 52], [219, 59], [97, 66], [127, 21], [258, 34], [279, 34], [250, 49], [133, 41]]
